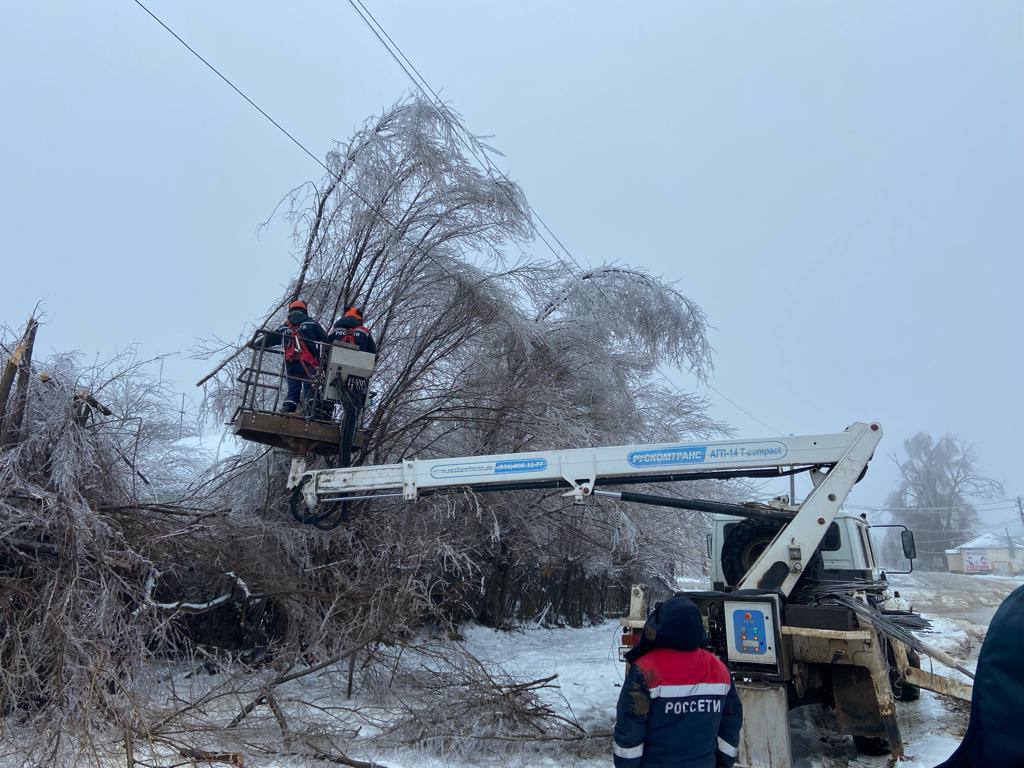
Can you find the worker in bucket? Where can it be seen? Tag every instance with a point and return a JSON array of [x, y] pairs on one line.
[[301, 337], [994, 736], [349, 329], [678, 707]]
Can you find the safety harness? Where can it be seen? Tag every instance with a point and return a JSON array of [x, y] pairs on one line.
[[296, 348]]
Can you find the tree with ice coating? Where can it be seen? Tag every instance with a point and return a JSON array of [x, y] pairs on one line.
[[938, 486], [485, 347]]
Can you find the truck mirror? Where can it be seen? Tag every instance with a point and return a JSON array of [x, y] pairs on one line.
[[909, 547]]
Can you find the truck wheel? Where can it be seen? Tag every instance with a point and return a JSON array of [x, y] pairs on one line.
[[908, 691], [744, 544], [873, 746]]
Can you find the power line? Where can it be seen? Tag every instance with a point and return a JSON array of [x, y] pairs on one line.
[[463, 134], [990, 506], [737, 405], [480, 152], [979, 529], [469, 140], [416, 246], [459, 130], [233, 87]]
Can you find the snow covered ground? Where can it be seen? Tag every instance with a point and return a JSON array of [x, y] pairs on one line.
[[960, 608], [589, 675]]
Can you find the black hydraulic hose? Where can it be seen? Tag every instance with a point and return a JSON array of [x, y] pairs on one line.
[[342, 515], [348, 432], [336, 514], [701, 505], [726, 474]]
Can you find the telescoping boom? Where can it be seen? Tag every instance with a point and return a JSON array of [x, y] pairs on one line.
[[835, 463]]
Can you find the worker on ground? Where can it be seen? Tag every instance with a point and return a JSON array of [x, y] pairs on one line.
[[678, 707], [301, 337], [349, 329], [994, 737]]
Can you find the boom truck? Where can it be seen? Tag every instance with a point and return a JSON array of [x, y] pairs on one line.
[[797, 609]]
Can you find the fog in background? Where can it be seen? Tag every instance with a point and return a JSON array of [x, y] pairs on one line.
[[837, 185]]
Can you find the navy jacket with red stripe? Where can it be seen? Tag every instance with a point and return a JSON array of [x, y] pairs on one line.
[[677, 708]]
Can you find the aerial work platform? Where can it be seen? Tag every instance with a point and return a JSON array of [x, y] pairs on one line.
[[291, 432], [325, 424]]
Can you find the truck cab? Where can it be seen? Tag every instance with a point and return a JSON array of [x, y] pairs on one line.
[[846, 548]]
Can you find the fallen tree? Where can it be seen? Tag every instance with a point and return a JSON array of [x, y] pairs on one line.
[[486, 349], [140, 616]]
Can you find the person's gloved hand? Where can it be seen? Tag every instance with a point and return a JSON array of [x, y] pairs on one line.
[[257, 339]]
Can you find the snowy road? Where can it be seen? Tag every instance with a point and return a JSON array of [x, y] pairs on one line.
[[589, 675]]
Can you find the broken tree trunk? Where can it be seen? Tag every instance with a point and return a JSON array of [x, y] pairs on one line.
[[20, 362]]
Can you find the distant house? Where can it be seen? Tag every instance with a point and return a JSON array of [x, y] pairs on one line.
[[988, 553]]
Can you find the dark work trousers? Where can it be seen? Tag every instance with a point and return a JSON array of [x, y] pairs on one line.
[[299, 385]]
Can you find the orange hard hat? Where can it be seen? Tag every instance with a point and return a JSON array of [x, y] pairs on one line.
[[354, 311], [298, 304]]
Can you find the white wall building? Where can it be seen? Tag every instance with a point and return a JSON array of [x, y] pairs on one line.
[[988, 553]]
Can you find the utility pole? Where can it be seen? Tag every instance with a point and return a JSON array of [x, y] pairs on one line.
[[792, 486], [1020, 508], [181, 418]]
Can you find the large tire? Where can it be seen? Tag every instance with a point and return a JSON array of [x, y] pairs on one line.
[[908, 691], [872, 746], [744, 544]]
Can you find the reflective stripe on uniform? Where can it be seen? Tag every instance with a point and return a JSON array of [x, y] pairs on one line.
[[726, 748], [628, 752], [683, 691]]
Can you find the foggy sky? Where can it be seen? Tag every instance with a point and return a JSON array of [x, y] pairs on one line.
[[839, 185]]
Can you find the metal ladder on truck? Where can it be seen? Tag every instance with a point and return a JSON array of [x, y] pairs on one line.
[[793, 663]]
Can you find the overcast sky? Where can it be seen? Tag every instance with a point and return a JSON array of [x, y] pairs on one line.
[[839, 185]]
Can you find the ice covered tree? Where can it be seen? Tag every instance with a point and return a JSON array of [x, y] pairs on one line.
[[486, 347], [939, 480]]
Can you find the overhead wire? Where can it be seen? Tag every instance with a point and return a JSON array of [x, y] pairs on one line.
[[459, 130], [337, 177], [468, 139], [730, 400], [981, 506], [744, 410], [987, 528], [464, 135]]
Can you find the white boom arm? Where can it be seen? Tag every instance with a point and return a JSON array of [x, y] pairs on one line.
[[846, 454]]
